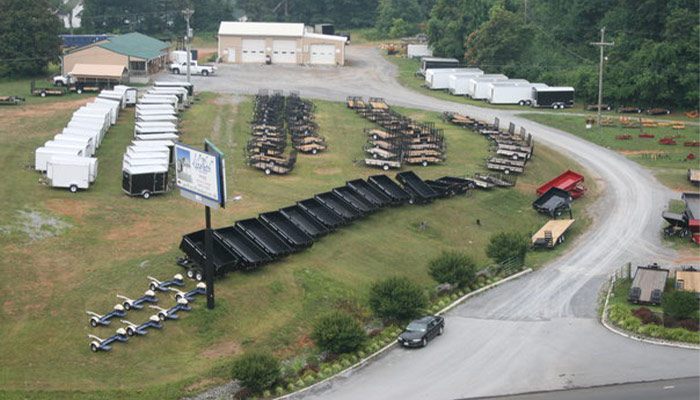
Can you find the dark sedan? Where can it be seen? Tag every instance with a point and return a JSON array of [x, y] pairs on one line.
[[419, 332]]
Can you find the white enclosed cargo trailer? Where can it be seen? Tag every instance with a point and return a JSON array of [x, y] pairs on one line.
[[112, 103], [158, 137], [99, 109], [157, 118], [129, 94], [113, 95], [87, 141], [510, 92], [440, 78], [418, 51], [187, 85], [479, 85], [458, 83], [71, 172], [78, 124], [154, 130], [139, 162], [42, 155], [160, 99], [67, 145], [93, 133]]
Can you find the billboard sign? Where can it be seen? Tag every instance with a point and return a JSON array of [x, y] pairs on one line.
[[200, 175]]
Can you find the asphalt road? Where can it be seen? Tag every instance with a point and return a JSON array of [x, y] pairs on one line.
[[678, 389], [539, 332]]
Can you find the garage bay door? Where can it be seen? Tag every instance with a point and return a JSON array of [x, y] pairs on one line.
[[322, 54], [253, 51], [284, 52]]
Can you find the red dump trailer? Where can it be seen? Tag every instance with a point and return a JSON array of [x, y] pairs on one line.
[[569, 181]]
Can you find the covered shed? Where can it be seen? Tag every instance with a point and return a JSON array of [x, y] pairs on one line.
[[106, 76], [281, 42], [140, 54], [648, 285]]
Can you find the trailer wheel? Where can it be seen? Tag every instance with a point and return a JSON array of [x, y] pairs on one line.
[[521, 103], [153, 286], [73, 188], [528, 102], [411, 201], [161, 316], [314, 151], [424, 163], [507, 171], [176, 71], [563, 238], [127, 306], [267, 171], [93, 323], [59, 83], [375, 137], [385, 167], [43, 94], [146, 195], [205, 73], [130, 331], [93, 347], [190, 273], [374, 156], [198, 276]]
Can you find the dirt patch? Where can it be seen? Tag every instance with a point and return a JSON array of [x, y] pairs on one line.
[[141, 236], [202, 384], [327, 171], [221, 350], [70, 208], [42, 110], [36, 225], [688, 256]]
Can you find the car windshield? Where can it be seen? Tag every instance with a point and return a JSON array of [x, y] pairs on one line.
[[416, 327]]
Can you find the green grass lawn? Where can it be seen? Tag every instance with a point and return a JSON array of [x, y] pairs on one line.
[[667, 162], [113, 242]]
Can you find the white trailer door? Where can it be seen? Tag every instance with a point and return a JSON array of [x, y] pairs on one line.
[[323, 54], [253, 51], [284, 52]]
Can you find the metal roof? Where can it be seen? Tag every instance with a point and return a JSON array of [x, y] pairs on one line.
[[261, 29], [325, 37], [136, 45], [98, 71]]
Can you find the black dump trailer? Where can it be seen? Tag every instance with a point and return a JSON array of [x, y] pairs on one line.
[[304, 221], [322, 213], [355, 199], [369, 192], [145, 180], [419, 190], [389, 188], [458, 185], [295, 237], [553, 97], [441, 188], [553, 202], [339, 206], [266, 239], [250, 254], [192, 245]]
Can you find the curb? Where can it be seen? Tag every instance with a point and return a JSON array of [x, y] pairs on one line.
[[374, 355], [629, 335]]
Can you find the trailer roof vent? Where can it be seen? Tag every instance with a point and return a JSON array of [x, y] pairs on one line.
[[635, 293]]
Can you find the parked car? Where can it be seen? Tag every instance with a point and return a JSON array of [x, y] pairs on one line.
[[594, 107], [629, 110], [658, 111], [419, 332], [195, 68]]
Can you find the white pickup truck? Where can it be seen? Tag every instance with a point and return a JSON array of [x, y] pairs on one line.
[[181, 68]]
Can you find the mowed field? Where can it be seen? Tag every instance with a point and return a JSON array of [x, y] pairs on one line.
[[63, 253]]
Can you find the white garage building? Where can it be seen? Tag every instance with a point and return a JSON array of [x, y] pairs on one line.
[[285, 43]]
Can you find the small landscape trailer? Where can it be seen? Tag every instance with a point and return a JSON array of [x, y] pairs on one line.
[[322, 213], [145, 180], [552, 233], [439, 78], [266, 239], [458, 83], [10, 100], [554, 97], [450, 186], [192, 245], [436, 62], [46, 91], [553, 202], [355, 199], [648, 285], [250, 255], [339, 206], [71, 172], [369, 192], [389, 188], [296, 237], [419, 190], [568, 180], [304, 221]]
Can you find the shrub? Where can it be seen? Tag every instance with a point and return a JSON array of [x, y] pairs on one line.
[[256, 371], [266, 393], [396, 298], [646, 316], [506, 246], [279, 390], [689, 324], [452, 267], [680, 304], [338, 332]]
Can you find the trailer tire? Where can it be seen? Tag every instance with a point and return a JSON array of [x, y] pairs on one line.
[[521, 103], [563, 238], [424, 163], [176, 71], [127, 306], [79, 91], [43, 94], [130, 331], [93, 323], [528, 102], [73, 189], [190, 273], [153, 286], [146, 195], [374, 156], [314, 151], [93, 347], [385, 167], [267, 171], [507, 171], [161, 316], [205, 73], [375, 137], [199, 276]]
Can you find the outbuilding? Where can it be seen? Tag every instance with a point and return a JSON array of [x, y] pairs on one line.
[[278, 43], [140, 54]]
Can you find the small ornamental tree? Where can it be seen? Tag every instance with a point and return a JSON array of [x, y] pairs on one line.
[[452, 267], [256, 371], [396, 298], [338, 332], [680, 304], [507, 246]]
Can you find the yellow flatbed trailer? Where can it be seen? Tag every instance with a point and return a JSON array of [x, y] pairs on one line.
[[552, 233]]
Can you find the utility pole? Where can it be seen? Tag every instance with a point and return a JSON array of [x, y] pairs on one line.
[[602, 45], [188, 13]]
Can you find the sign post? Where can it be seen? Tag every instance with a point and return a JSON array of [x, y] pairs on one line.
[[201, 177]]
